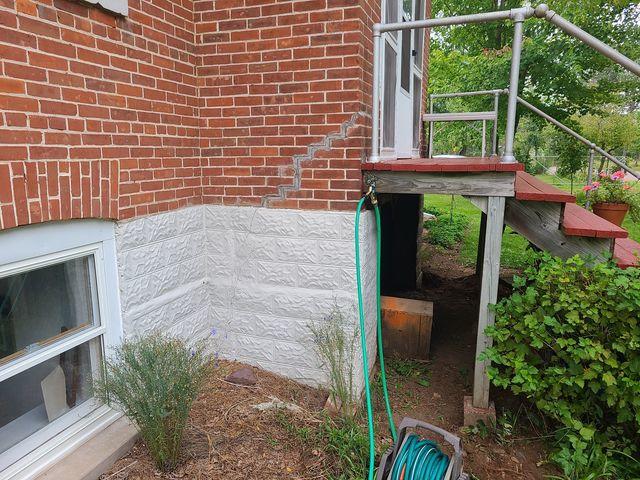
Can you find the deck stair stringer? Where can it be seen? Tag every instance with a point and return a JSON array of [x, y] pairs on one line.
[[551, 220]]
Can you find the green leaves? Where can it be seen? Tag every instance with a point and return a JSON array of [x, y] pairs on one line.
[[569, 339]]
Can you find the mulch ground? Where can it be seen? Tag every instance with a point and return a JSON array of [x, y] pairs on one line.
[[227, 438]]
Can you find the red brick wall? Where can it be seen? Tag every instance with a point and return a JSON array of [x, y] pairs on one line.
[[276, 77], [98, 114], [259, 102]]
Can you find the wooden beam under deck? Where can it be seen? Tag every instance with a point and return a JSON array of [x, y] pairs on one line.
[[482, 184], [477, 176]]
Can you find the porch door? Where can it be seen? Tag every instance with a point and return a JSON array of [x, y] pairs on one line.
[[402, 81]]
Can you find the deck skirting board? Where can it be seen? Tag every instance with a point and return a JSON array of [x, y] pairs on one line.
[[482, 184]]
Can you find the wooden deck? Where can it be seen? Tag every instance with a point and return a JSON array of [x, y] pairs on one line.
[[444, 165]]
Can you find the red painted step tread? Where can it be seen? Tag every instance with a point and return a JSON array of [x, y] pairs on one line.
[[529, 187], [626, 252], [582, 223]]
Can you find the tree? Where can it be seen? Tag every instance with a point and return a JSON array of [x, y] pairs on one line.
[[559, 74]]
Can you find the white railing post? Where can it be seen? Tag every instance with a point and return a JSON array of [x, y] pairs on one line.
[[494, 132], [590, 174], [375, 111], [516, 50], [431, 129]]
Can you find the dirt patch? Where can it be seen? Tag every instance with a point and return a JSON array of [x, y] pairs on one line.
[[227, 438], [489, 453]]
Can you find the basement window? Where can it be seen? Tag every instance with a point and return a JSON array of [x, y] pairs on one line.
[[56, 319]]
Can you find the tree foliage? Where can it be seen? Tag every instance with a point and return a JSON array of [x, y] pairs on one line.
[[558, 74]]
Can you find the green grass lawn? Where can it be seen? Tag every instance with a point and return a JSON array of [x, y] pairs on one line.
[[514, 247]]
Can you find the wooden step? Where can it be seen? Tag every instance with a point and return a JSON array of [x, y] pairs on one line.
[[529, 187], [626, 252], [580, 222]]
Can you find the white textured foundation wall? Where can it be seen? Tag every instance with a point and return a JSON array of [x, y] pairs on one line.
[[248, 279]]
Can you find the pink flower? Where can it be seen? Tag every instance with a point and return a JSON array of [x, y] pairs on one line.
[[603, 174], [595, 185], [626, 186], [587, 188], [619, 175]]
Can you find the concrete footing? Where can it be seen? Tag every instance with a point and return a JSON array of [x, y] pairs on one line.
[[97, 455], [473, 415]]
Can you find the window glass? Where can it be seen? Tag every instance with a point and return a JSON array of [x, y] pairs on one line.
[[407, 6], [389, 97], [418, 33], [41, 394], [391, 14], [417, 121], [405, 67], [43, 306]]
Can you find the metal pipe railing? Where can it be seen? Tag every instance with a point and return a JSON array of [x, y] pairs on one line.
[[514, 78], [380, 28], [543, 11], [518, 16], [577, 136]]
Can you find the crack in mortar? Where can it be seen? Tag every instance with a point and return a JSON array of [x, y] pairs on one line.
[[325, 145]]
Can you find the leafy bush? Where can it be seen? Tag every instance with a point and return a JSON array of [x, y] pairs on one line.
[[446, 230], [155, 380], [569, 339], [335, 341]]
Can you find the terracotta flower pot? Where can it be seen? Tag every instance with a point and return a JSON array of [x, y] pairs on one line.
[[613, 212]]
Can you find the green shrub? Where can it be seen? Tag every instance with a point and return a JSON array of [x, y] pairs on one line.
[[155, 380], [445, 230], [568, 338]]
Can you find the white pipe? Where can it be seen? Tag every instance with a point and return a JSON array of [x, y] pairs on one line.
[[514, 78], [524, 12], [375, 113], [543, 11]]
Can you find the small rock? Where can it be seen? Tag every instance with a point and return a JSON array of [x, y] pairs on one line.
[[277, 404], [243, 376]]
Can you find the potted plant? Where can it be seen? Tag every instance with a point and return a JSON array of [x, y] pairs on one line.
[[611, 198]]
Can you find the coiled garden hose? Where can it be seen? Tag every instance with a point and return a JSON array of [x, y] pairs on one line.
[[417, 459]]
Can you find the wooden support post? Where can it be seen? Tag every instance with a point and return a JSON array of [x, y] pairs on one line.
[[488, 295]]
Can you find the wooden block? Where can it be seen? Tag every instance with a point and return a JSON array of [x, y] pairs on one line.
[[406, 327]]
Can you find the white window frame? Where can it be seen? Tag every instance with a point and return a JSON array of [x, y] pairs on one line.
[[38, 246], [121, 7]]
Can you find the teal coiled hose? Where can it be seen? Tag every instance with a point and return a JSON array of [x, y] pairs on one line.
[[417, 459]]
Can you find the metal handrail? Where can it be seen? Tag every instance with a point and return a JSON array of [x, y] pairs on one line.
[[518, 16], [592, 146]]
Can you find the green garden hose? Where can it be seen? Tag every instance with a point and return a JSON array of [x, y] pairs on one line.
[[417, 459]]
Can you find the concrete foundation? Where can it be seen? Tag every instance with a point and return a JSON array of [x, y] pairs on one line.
[[473, 415], [248, 280]]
